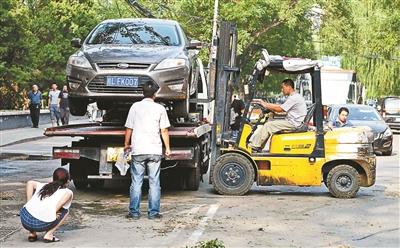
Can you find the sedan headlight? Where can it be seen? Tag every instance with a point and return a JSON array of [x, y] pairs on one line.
[[170, 63], [387, 132], [79, 60]]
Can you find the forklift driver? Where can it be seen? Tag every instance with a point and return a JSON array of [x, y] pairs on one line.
[[295, 108]]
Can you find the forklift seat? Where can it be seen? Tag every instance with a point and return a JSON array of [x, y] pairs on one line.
[[304, 125]]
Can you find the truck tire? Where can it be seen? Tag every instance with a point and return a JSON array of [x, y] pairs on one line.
[[96, 183], [193, 177], [80, 184], [77, 107], [233, 174], [343, 181], [79, 174]]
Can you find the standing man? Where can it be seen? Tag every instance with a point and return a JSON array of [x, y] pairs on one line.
[[142, 137], [341, 120], [35, 99], [64, 105], [295, 108], [53, 105]]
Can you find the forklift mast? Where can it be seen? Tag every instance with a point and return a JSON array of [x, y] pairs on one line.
[[226, 73]]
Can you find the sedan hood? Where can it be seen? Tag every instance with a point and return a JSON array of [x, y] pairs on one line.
[[376, 126], [144, 54]]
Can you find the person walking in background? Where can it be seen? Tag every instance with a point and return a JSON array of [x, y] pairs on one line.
[[53, 105], [35, 98], [64, 105], [47, 206]]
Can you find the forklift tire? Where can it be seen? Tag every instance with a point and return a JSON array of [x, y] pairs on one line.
[[343, 181], [233, 174], [193, 179]]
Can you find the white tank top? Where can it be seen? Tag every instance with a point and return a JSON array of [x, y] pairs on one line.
[[45, 210]]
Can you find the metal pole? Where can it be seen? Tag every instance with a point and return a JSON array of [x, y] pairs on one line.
[[213, 53]]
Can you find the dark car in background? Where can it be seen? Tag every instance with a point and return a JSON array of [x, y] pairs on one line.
[[363, 115], [120, 55], [389, 108]]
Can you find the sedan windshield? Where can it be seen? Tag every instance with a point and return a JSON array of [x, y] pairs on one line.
[[363, 114], [135, 33]]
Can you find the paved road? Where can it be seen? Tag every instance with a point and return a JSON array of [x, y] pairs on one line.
[[267, 216]]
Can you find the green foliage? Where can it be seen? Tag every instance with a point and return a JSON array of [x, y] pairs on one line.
[[215, 243], [366, 35], [35, 34]]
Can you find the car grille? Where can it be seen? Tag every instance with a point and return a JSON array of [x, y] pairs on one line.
[[129, 66], [98, 84]]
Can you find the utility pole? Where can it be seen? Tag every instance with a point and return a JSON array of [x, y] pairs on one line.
[[213, 53]]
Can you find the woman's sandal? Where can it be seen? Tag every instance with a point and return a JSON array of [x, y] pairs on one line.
[[54, 239], [32, 238]]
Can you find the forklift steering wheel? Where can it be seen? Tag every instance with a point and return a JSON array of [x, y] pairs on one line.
[[263, 109]]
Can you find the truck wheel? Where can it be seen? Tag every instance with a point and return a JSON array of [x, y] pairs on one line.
[[80, 184], [343, 181], [96, 183], [78, 173], [77, 107], [193, 178], [233, 174]]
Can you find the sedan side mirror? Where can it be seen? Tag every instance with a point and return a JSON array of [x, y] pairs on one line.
[[195, 44], [76, 42]]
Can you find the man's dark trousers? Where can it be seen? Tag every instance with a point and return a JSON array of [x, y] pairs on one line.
[[35, 112]]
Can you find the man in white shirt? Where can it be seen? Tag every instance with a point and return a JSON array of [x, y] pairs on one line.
[[295, 108], [142, 137]]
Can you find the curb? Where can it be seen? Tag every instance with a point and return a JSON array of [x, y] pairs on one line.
[[25, 140]]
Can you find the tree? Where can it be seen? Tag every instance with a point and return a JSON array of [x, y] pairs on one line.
[[366, 35]]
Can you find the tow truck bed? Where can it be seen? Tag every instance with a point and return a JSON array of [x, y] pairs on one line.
[[90, 130]]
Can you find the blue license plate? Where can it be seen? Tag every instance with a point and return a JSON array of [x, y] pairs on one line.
[[118, 81]]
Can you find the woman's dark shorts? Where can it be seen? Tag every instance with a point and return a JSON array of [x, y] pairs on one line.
[[32, 224]]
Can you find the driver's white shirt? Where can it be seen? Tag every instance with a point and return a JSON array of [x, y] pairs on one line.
[[295, 108], [146, 118]]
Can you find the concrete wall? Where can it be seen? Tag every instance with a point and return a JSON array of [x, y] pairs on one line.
[[18, 119]]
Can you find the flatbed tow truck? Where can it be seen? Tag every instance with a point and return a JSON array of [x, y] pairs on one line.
[[92, 158]]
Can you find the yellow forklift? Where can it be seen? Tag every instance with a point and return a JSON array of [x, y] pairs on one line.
[[342, 159]]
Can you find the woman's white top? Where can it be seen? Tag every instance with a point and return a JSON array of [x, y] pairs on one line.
[[45, 210]]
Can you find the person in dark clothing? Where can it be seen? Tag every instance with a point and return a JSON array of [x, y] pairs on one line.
[[237, 111], [237, 107], [35, 98], [64, 105]]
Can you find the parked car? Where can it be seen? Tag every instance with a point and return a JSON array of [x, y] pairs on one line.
[[389, 108], [363, 115], [119, 55]]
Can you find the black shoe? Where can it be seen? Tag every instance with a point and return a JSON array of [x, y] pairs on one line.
[[154, 217], [132, 216]]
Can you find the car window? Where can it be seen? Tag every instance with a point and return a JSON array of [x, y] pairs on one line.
[[135, 33], [392, 103], [363, 114]]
